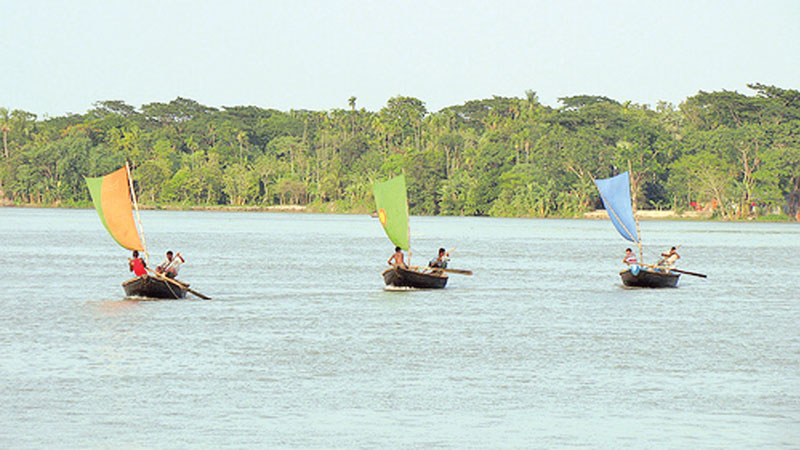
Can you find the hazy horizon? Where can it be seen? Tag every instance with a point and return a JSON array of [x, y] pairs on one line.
[[62, 58]]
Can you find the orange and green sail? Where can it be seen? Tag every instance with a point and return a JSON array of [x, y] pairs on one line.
[[392, 205], [111, 196]]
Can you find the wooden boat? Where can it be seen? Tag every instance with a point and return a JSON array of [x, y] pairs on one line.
[[646, 277], [115, 201], [391, 202], [152, 287], [407, 277], [616, 195]]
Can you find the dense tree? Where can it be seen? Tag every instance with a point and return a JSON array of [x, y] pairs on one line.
[[734, 154]]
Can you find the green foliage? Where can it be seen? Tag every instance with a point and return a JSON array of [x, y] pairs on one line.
[[735, 154], [775, 218]]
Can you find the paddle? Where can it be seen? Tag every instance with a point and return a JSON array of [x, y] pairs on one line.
[[701, 275], [462, 272], [180, 285]]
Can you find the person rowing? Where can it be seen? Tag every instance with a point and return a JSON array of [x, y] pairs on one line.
[[440, 262], [669, 258], [171, 265]]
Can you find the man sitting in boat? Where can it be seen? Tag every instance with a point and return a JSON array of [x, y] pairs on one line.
[[669, 258], [397, 258], [171, 265], [439, 262], [630, 258], [137, 265]]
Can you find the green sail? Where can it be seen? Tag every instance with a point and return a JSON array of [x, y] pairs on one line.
[[392, 207]]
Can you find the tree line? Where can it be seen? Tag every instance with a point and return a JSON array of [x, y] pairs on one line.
[[736, 155]]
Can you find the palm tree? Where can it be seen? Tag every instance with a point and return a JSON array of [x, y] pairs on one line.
[[352, 102], [241, 136], [4, 128]]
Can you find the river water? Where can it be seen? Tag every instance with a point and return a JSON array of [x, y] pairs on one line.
[[302, 347]]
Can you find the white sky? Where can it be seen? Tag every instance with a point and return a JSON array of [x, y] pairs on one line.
[[58, 57]]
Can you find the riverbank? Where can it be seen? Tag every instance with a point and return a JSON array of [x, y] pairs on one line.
[[655, 215], [273, 208], [599, 214]]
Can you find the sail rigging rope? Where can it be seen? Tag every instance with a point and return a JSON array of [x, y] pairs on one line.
[[615, 215]]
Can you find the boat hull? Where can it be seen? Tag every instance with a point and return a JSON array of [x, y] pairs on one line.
[[649, 278], [151, 287], [402, 277]]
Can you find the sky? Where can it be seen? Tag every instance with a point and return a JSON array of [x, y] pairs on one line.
[[61, 57]]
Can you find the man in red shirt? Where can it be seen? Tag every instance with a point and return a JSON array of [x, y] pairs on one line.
[[137, 265]]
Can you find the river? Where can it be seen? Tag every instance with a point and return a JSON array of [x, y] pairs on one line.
[[302, 347]]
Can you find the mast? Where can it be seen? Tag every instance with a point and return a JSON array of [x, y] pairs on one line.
[[409, 223], [136, 208], [636, 219], [409, 233]]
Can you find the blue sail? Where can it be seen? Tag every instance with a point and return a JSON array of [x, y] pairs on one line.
[[616, 195]]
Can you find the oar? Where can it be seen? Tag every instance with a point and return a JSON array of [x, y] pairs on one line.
[[701, 275], [182, 286], [445, 255], [462, 272]]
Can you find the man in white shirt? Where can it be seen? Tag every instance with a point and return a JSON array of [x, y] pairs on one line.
[[171, 265], [670, 257], [440, 262]]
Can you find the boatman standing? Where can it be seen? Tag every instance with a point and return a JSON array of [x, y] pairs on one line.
[[630, 258], [137, 265], [397, 258], [171, 265]]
